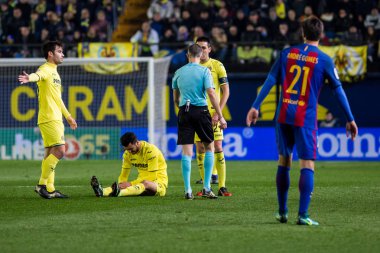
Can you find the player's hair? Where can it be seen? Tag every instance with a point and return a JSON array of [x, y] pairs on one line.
[[127, 138], [204, 39], [50, 47], [194, 51], [312, 28]]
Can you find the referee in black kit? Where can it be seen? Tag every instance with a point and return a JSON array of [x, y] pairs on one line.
[[190, 84]]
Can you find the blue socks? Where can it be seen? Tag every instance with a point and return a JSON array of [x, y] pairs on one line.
[[186, 171], [208, 165], [306, 184], [282, 183]]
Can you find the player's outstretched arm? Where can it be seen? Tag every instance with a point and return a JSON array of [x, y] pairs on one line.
[[252, 116], [351, 130], [23, 78]]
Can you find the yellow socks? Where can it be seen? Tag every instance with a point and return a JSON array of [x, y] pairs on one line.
[[214, 170], [200, 162], [107, 191], [48, 167], [133, 190], [50, 182], [220, 165]]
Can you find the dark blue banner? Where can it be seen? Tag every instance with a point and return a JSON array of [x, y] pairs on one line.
[[259, 143]]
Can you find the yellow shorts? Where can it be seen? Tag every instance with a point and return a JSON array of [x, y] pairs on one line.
[[161, 188], [52, 133], [218, 134]]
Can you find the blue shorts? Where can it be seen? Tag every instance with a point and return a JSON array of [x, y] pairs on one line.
[[304, 138]]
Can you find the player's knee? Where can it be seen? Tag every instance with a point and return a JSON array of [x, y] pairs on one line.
[[58, 151], [218, 146]]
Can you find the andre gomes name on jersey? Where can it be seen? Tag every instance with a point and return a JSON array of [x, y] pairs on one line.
[[302, 57]]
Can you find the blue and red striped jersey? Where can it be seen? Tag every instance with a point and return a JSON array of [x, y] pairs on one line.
[[301, 71]]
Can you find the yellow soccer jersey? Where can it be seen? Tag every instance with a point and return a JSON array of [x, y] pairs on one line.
[[149, 162], [219, 76], [51, 106]]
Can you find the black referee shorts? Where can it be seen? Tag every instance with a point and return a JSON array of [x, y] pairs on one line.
[[196, 120]]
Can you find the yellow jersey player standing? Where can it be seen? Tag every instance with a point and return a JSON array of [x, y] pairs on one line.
[[152, 179], [51, 109], [219, 76]]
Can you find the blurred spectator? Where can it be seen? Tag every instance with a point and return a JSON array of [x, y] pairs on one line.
[[36, 24], [205, 21], [25, 8], [109, 11], [167, 39], [26, 39], [44, 37], [94, 7], [272, 23], [328, 20], [234, 37], [352, 37], [8, 50], [372, 40], [198, 32], [219, 41], [60, 7], [194, 7], [280, 9], [77, 37], [373, 19], [342, 22], [222, 19], [101, 26], [187, 20], [294, 26], [15, 22], [148, 40], [157, 24], [68, 25], [84, 24], [5, 17], [329, 121], [282, 37], [41, 7], [91, 35], [164, 7], [183, 34], [53, 23], [240, 20], [307, 12], [298, 6]]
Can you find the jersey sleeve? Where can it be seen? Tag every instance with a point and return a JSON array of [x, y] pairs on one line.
[[175, 80], [331, 74], [207, 80], [272, 79], [222, 74], [64, 110], [125, 169], [40, 75]]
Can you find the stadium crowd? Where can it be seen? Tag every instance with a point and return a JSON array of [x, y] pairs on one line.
[[237, 28]]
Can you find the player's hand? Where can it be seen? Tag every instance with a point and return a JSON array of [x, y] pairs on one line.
[[222, 123], [23, 78], [72, 122], [124, 185], [252, 116], [351, 130], [215, 119]]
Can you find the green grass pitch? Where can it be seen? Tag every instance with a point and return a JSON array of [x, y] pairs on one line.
[[346, 202]]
